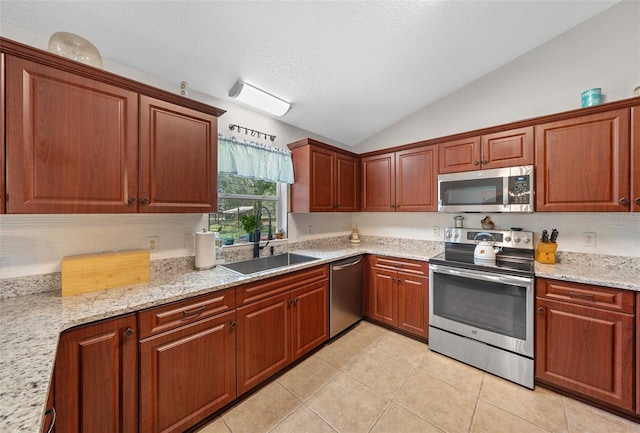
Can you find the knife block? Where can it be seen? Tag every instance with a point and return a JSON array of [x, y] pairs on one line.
[[546, 252]]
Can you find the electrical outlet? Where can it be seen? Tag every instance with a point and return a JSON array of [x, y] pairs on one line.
[[309, 230], [589, 239], [153, 243], [189, 240], [435, 231]]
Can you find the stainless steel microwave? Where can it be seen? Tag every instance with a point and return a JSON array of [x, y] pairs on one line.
[[507, 189]]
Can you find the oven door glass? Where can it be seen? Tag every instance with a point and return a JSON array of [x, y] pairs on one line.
[[495, 309]]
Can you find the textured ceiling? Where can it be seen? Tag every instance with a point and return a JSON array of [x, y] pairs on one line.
[[349, 68]]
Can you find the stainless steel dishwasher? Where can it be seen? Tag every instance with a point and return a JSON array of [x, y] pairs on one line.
[[345, 294]]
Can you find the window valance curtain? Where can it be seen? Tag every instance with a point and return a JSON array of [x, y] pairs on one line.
[[254, 160]]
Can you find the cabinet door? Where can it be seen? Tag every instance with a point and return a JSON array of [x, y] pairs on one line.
[[417, 179], [384, 296], [508, 148], [378, 183], [586, 350], [263, 339], [2, 135], [310, 317], [71, 142], [178, 158], [346, 183], [321, 181], [582, 164], [638, 353], [96, 380], [459, 155], [635, 160], [187, 374], [413, 310]]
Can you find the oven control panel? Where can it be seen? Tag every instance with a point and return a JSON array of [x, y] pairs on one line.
[[501, 238]]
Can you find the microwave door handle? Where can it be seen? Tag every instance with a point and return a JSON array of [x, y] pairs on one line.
[[505, 191]]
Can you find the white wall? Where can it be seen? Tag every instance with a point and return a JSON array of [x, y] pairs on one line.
[[601, 52], [35, 244]]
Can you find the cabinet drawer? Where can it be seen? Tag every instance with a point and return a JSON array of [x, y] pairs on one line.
[[412, 266], [160, 319], [586, 294], [263, 289]]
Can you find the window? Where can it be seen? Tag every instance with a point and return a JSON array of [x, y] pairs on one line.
[[238, 200]]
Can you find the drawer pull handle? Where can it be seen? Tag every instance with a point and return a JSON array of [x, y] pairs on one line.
[[193, 311], [51, 411], [589, 296]]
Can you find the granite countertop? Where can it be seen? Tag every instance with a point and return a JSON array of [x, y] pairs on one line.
[[31, 324]]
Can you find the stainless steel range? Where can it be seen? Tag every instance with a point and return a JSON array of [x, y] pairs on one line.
[[482, 314]]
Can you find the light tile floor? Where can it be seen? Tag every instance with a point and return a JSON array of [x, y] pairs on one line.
[[372, 380]]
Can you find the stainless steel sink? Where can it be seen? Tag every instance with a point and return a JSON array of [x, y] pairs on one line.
[[262, 264]]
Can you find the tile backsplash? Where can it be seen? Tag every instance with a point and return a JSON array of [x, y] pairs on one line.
[[35, 244]]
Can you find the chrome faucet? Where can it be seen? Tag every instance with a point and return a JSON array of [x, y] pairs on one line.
[[256, 245]]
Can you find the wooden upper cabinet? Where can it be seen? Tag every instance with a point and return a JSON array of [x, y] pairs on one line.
[[582, 163], [347, 183], [326, 178], [2, 135], [459, 155], [500, 149], [71, 142], [178, 158], [635, 164], [378, 183], [402, 181], [417, 179], [508, 148]]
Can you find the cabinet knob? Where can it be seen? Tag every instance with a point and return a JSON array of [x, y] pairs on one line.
[[476, 162], [233, 324], [624, 201], [295, 301], [290, 302], [145, 201], [129, 332], [541, 310], [637, 200], [132, 200], [484, 161]]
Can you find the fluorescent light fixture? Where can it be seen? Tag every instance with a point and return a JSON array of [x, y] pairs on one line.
[[260, 99]]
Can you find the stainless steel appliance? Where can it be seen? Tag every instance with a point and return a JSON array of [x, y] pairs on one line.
[[507, 189], [345, 294], [482, 314]]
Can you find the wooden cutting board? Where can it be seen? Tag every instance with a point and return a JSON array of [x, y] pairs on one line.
[[91, 272]]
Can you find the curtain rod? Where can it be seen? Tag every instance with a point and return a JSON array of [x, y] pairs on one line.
[[254, 133]]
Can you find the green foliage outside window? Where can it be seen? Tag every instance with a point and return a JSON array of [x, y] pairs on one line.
[[238, 200]]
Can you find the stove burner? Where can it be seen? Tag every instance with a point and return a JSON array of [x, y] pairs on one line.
[[516, 257]]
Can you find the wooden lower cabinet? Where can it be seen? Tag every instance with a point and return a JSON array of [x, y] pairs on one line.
[[585, 341], [399, 297], [276, 331], [309, 318], [638, 354], [96, 386], [187, 373], [263, 340]]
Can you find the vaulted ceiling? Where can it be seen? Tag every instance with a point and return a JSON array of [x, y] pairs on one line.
[[350, 68]]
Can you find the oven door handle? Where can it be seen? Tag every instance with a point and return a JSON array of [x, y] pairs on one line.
[[479, 275]]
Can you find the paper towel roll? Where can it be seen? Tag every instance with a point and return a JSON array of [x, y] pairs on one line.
[[205, 255]]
